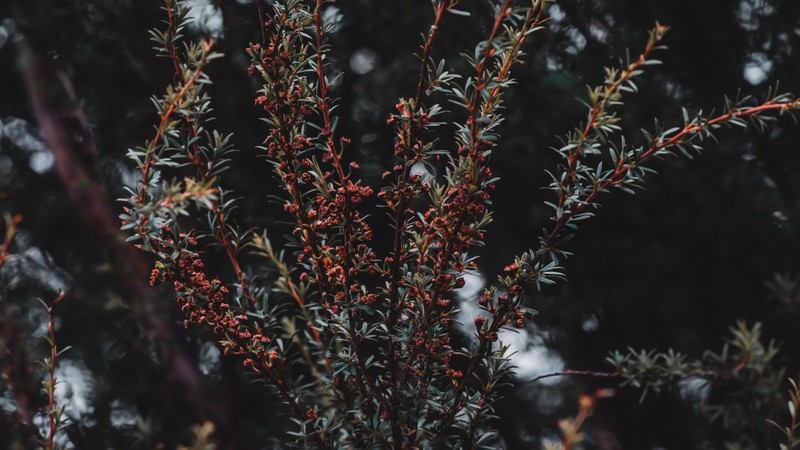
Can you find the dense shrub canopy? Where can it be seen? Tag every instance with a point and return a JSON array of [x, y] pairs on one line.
[[673, 267]]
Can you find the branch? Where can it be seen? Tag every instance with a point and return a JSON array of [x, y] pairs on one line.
[[570, 372], [53, 413]]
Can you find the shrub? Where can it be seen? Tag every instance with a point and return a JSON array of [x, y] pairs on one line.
[[360, 325], [364, 349]]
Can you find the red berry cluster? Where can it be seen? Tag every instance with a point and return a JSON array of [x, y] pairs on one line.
[[505, 310], [203, 300], [321, 197]]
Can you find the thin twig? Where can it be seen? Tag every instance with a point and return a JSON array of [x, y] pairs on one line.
[[51, 367], [570, 372]]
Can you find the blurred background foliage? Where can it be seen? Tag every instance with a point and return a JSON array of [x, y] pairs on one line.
[[674, 267]]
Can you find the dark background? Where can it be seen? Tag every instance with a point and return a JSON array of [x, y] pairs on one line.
[[672, 267]]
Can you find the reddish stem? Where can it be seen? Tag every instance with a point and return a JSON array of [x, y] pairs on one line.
[[625, 75], [324, 106], [51, 367], [11, 230], [149, 161], [480, 84], [400, 217], [570, 372], [446, 253], [172, 49], [689, 130]]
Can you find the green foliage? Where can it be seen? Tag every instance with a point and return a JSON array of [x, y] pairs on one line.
[[790, 430], [55, 417], [360, 348], [745, 370], [362, 345]]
